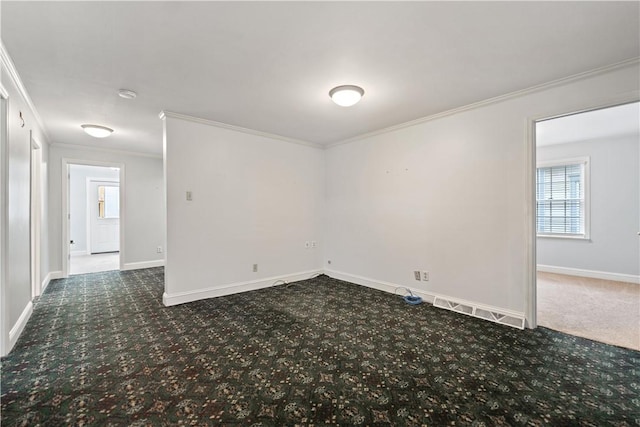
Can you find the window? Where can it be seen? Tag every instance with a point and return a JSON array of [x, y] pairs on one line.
[[561, 204], [108, 202]]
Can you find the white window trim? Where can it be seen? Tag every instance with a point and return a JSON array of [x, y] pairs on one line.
[[586, 161]]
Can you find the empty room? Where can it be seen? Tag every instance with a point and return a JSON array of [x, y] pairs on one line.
[[319, 213]]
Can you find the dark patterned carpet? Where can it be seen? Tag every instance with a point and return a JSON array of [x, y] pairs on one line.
[[101, 349]]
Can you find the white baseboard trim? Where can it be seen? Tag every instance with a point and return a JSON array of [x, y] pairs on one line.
[[143, 264], [428, 297], [17, 329], [233, 288], [605, 275], [48, 278], [377, 284]]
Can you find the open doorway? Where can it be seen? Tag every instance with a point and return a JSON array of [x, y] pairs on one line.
[[587, 223], [94, 218]]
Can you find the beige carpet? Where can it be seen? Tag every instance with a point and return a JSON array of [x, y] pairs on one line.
[[601, 310]]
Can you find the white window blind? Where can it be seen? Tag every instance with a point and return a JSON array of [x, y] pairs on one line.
[[560, 200]]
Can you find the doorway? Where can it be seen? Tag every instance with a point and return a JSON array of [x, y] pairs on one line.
[[587, 210], [94, 217]]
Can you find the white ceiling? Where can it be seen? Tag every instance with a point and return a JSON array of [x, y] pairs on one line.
[[622, 120], [269, 66]]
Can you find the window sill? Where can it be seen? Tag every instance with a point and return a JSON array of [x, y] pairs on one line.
[[565, 236]]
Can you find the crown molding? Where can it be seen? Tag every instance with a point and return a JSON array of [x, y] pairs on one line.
[[3, 92], [105, 150], [164, 114], [7, 62], [494, 100]]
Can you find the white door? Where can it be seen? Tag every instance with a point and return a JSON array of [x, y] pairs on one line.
[[104, 216]]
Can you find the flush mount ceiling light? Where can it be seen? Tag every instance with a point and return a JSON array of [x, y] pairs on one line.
[[347, 95], [97, 131], [127, 94]]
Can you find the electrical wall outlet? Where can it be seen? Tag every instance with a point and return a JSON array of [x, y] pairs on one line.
[[255, 268], [159, 249], [189, 196], [314, 244], [425, 276], [416, 275]]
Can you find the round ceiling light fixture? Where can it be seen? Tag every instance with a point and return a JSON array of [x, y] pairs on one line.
[[127, 94], [97, 131], [346, 95]]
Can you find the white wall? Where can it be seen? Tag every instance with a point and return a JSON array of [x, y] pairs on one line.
[[256, 200], [615, 208], [449, 195], [78, 201], [16, 175], [144, 208]]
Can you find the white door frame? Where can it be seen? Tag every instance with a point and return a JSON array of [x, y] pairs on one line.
[[35, 221], [66, 162], [530, 191], [4, 163]]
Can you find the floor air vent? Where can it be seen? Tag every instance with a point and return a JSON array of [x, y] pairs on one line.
[[482, 313]]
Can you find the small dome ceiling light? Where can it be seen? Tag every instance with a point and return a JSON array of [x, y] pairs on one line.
[[347, 95], [97, 131], [127, 94]]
